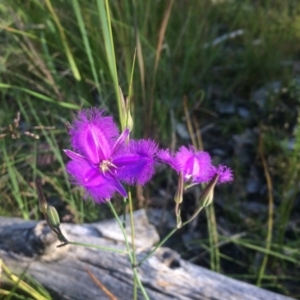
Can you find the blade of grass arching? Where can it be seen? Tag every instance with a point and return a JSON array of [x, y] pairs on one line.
[[104, 14], [270, 212], [84, 35], [64, 40], [161, 38], [141, 65], [9, 163], [40, 96], [264, 250], [131, 76], [17, 31], [162, 33], [20, 283], [37, 286]]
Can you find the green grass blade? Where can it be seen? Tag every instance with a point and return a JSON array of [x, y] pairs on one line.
[[9, 163], [84, 35], [40, 96], [64, 40], [104, 14]]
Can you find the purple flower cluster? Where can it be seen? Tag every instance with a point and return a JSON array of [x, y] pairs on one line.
[[102, 159]]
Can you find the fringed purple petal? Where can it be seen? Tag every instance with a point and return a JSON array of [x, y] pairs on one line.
[[137, 164], [96, 184], [183, 159], [203, 162], [105, 190], [167, 157], [225, 173], [195, 165], [190, 168], [93, 135]]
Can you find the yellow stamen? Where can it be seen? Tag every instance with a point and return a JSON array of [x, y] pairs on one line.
[[105, 165]]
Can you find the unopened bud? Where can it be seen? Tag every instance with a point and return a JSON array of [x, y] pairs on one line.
[[53, 217], [178, 199], [207, 195], [180, 189], [129, 120], [126, 115]]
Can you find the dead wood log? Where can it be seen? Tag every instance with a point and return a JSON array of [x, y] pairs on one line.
[[63, 271]]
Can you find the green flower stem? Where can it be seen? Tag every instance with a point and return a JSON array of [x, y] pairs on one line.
[[193, 216], [98, 247], [166, 238], [133, 244], [122, 229], [157, 246], [135, 273], [124, 212]]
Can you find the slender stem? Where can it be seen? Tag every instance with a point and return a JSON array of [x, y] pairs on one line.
[[163, 241], [193, 216], [133, 244], [136, 275], [97, 247], [158, 245], [124, 212], [122, 229]]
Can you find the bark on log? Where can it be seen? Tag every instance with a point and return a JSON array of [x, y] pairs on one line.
[[63, 271]]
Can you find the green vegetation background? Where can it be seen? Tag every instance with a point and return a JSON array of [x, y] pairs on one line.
[[58, 56]]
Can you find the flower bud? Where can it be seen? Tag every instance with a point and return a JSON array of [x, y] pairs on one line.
[[207, 195], [128, 120], [180, 189], [53, 217]]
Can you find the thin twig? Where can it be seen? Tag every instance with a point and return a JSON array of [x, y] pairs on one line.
[[102, 287]]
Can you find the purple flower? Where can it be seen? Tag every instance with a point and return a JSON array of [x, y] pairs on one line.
[[102, 158], [195, 165]]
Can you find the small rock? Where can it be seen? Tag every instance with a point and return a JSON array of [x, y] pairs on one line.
[[182, 131], [225, 108], [243, 112]]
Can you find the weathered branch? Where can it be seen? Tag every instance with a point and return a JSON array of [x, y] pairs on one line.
[[64, 271]]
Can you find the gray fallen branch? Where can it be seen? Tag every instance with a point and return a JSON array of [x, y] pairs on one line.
[[63, 271]]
